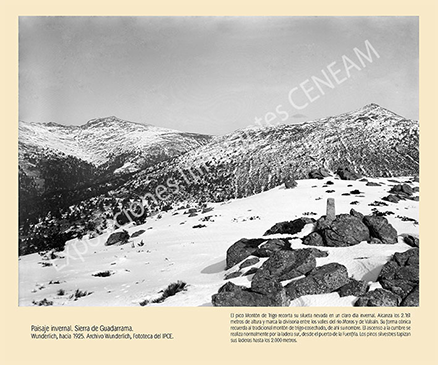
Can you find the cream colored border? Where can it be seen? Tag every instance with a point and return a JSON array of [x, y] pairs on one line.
[[201, 334]]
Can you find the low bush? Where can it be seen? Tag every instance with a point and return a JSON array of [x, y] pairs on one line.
[[42, 303], [103, 274], [171, 290], [79, 294]]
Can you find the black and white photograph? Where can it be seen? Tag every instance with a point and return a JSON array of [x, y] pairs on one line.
[[218, 161]]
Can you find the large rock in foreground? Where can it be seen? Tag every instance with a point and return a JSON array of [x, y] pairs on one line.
[[322, 280], [380, 228], [290, 227], [313, 239], [231, 295], [284, 265], [354, 287], [400, 275], [351, 229], [269, 247], [345, 230], [412, 299], [249, 262], [378, 298], [241, 249]]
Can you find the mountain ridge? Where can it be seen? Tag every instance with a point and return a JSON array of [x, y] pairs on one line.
[[77, 141], [54, 157], [371, 141]]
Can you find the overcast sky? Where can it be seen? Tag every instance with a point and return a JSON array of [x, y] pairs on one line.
[[213, 74]]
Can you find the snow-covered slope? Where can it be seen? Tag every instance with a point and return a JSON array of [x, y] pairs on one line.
[[174, 250], [54, 157], [372, 141], [101, 140]]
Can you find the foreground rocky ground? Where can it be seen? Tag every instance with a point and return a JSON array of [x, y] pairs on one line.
[[399, 277], [289, 273], [279, 247]]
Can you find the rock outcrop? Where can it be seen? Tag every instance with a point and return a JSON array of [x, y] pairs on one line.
[[117, 237], [231, 295], [241, 249], [346, 174], [313, 239], [391, 198], [411, 240], [353, 287], [345, 230], [249, 262], [289, 227], [400, 275], [284, 265], [320, 173], [402, 190], [350, 229], [232, 275], [323, 279], [378, 298], [290, 183], [381, 229], [138, 233], [269, 247]]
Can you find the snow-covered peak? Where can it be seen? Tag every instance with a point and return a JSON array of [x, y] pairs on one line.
[[372, 141], [101, 139]]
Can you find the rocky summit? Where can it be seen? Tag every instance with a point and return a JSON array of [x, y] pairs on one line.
[[299, 269]]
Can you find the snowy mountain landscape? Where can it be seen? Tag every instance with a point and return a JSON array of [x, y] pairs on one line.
[[371, 141], [322, 213], [103, 141], [65, 163], [219, 186]]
